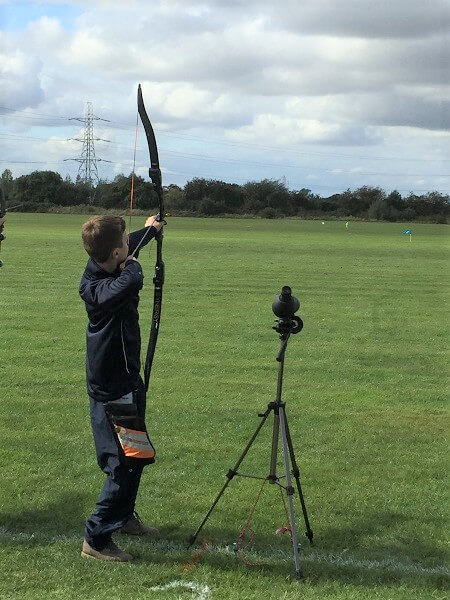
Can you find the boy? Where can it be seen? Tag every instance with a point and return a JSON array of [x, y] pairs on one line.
[[110, 289]]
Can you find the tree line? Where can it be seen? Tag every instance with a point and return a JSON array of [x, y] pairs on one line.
[[43, 191]]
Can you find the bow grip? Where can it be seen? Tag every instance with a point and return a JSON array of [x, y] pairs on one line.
[[158, 278]]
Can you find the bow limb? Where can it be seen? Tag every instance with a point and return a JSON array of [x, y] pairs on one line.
[[158, 279]]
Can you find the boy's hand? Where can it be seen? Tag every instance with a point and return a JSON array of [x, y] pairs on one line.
[[122, 265], [152, 222]]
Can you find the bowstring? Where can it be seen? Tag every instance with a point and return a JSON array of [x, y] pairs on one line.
[[133, 173]]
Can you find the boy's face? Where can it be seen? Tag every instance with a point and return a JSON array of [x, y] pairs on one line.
[[122, 253]]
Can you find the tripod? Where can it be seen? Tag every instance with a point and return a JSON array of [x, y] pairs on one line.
[[287, 325]]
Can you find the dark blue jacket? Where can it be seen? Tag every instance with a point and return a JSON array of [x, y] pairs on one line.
[[113, 339]]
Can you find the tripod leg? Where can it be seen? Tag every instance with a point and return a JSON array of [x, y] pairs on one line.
[[296, 473], [274, 453], [231, 473], [290, 493]]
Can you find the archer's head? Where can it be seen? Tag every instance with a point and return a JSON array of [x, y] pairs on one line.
[[105, 240]]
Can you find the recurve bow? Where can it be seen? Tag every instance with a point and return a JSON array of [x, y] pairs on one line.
[[158, 279]]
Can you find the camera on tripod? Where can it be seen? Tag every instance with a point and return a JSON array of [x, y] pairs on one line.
[[284, 307]]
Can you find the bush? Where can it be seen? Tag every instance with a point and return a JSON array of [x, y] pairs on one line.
[[269, 213]]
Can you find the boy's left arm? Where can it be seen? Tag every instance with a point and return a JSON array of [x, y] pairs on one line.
[[139, 239]]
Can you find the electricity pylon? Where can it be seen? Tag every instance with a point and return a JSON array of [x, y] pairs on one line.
[[87, 171]]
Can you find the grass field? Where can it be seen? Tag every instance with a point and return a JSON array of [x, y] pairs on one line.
[[365, 386]]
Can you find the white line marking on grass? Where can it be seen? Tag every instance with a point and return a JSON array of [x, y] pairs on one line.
[[312, 556], [391, 564], [203, 590]]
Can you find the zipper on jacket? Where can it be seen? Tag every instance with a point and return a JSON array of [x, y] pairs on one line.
[[123, 347]]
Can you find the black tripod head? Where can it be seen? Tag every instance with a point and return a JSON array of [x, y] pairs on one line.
[[284, 307]]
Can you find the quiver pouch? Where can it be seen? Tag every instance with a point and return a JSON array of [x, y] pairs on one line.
[[131, 434]]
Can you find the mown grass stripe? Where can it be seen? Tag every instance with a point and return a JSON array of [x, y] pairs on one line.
[[307, 556]]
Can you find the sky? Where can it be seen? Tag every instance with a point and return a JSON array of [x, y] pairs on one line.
[[320, 94]]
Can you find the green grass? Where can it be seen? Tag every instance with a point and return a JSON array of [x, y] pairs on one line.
[[365, 386]]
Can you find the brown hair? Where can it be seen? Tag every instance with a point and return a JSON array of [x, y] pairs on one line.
[[101, 235]]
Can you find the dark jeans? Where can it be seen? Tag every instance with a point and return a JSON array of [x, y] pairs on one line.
[[116, 503]]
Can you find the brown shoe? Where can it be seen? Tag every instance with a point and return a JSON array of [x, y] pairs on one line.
[[135, 526], [111, 552]]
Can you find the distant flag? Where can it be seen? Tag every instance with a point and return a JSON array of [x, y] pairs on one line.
[[408, 232]]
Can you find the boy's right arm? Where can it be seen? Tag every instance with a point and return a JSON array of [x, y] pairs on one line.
[[113, 291]]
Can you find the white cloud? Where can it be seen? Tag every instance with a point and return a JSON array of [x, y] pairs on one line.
[[371, 77], [45, 34], [19, 80]]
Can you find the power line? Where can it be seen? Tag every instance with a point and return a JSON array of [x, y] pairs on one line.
[[218, 160], [204, 157], [33, 162], [284, 165], [32, 114], [293, 149], [290, 149]]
